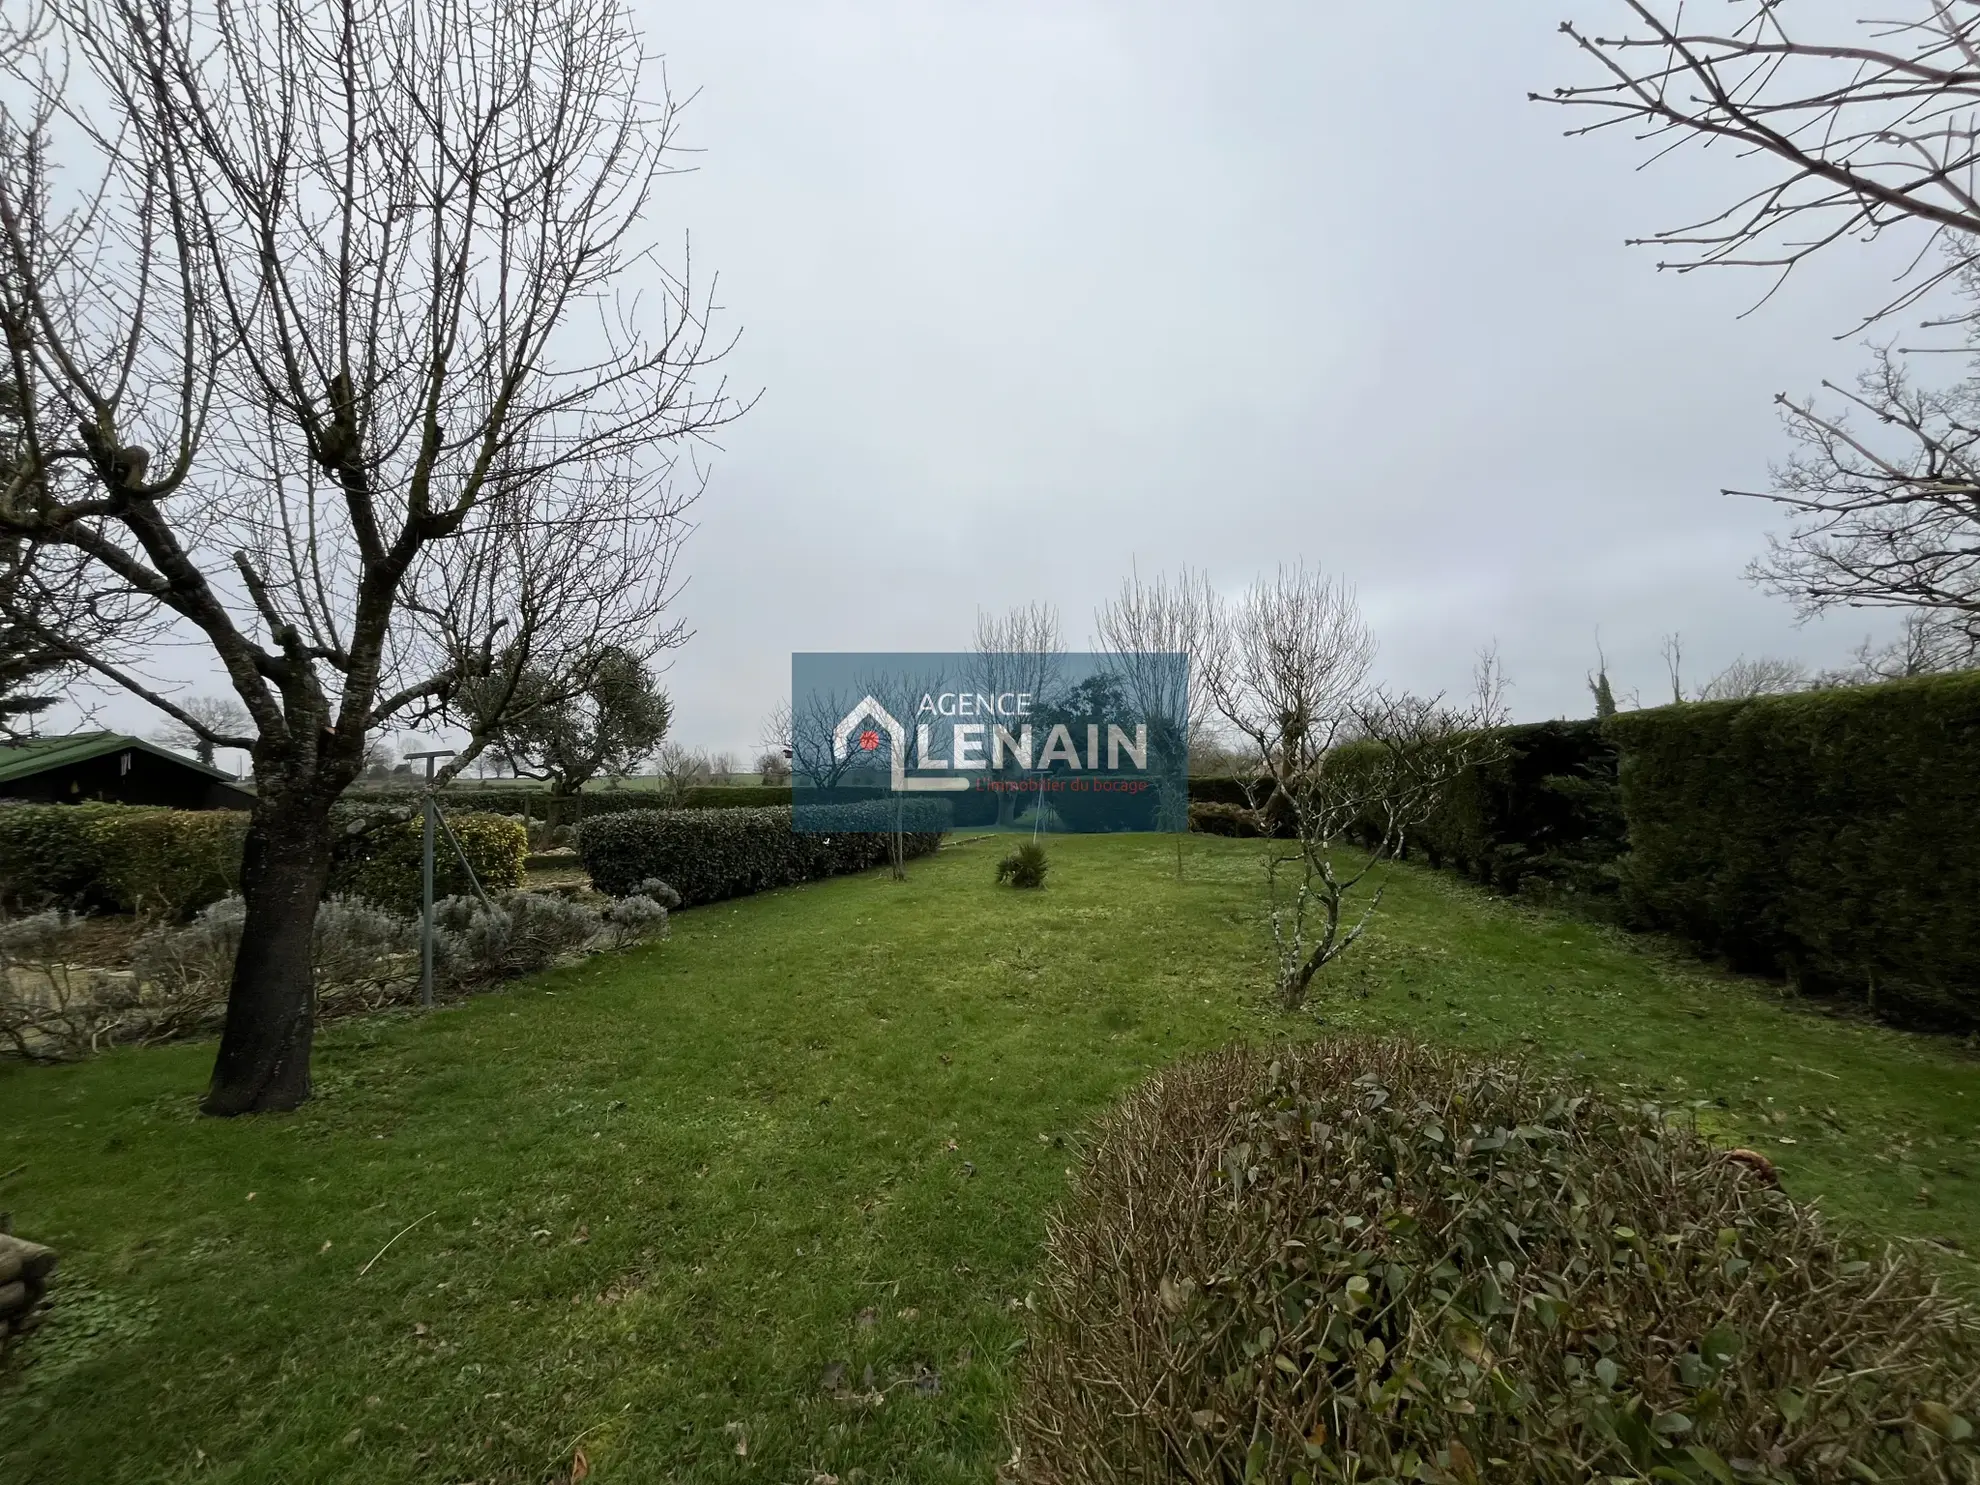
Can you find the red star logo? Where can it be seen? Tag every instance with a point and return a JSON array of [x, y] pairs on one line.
[[869, 740]]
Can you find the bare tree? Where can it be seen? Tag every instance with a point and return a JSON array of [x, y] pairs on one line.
[[1888, 505], [214, 716], [1929, 644], [1672, 650], [1866, 125], [805, 736], [772, 767], [332, 367], [1018, 651], [678, 768], [381, 756], [1764, 676], [1869, 130], [901, 693], [1149, 619], [1289, 669]]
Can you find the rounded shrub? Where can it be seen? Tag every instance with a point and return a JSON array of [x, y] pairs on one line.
[[1371, 1261]]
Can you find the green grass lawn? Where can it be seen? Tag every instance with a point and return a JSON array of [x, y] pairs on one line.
[[654, 1204]]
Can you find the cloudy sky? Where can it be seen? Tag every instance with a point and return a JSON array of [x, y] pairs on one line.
[[1037, 289]]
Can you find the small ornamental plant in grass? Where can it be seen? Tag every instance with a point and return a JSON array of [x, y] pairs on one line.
[[1364, 1260], [1024, 867]]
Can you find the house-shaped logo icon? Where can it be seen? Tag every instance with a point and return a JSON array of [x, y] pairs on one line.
[[871, 710]]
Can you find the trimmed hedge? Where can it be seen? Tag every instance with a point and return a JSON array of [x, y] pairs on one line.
[[707, 855], [1225, 819], [1544, 815], [1829, 836], [118, 857], [168, 863]]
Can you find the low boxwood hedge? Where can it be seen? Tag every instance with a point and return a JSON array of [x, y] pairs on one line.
[[707, 855]]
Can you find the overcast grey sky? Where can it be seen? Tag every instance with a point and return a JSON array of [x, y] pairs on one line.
[[1037, 288]]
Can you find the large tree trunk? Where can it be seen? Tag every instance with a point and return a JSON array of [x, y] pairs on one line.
[[263, 1064]]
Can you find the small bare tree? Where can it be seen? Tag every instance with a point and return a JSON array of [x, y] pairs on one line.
[[327, 362], [1345, 769], [805, 737], [772, 767], [213, 716], [1162, 616], [1764, 676], [678, 768], [1672, 650], [1018, 650]]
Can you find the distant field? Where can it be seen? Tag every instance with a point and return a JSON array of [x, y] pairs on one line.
[[637, 781]]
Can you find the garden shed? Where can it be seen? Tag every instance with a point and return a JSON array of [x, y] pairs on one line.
[[114, 768]]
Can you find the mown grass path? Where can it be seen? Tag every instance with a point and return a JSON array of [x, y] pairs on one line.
[[672, 1206]]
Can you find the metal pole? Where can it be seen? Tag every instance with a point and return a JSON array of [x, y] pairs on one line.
[[426, 871], [426, 878]]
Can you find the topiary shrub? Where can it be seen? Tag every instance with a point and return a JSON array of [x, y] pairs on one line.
[[1024, 867], [1369, 1261], [708, 855]]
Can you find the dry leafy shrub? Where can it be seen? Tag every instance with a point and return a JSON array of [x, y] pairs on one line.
[[50, 1009], [1370, 1261], [515, 934]]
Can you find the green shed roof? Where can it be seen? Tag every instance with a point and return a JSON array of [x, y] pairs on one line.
[[35, 755]]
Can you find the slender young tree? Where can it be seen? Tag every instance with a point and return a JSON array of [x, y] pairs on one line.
[[1343, 769], [344, 350]]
